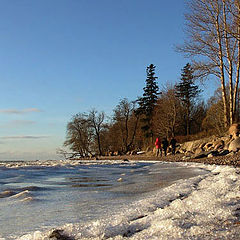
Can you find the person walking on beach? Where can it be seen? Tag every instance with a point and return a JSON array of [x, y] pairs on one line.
[[165, 145], [158, 145], [173, 145]]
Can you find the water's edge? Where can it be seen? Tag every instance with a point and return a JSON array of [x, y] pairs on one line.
[[79, 193]]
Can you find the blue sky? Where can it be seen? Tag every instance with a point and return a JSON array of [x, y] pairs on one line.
[[61, 57]]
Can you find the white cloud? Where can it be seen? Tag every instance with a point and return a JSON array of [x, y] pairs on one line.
[[23, 137], [21, 122], [16, 111]]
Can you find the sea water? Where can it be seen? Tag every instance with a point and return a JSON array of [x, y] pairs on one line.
[[38, 197]]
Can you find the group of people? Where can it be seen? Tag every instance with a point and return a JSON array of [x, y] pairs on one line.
[[164, 144]]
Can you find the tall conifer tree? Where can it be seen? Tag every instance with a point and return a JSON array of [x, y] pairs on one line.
[[148, 100], [187, 92]]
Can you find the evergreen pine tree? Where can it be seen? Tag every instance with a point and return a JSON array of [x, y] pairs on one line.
[[187, 92], [148, 101]]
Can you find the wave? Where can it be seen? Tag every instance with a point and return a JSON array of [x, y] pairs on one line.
[[61, 163], [202, 207], [23, 193], [27, 199], [6, 193], [23, 196]]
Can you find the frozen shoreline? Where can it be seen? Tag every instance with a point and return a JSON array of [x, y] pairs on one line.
[[203, 207], [60, 163]]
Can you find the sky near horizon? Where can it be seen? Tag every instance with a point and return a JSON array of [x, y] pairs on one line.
[[61, 57]]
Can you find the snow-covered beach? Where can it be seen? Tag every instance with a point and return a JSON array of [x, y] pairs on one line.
[[205, 206]]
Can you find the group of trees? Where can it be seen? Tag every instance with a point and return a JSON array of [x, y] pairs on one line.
[[213, 46], [135, 124], [84, 133], [178, 110]]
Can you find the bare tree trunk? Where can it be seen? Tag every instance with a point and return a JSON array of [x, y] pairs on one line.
[[126, 129], [134, 132], [236, 90], [187, 122], [221, 66], [235, 94], [97, 124], [230, 66], [174, 114], [99, 144]]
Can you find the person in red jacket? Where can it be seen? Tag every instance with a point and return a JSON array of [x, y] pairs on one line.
[[158, 144]]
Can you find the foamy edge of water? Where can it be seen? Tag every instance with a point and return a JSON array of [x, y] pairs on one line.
[[203, 207], [61, 163]]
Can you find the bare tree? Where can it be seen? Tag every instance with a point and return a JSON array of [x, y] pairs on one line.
[[79, 135], [97, 123], [214, 48], [126, 121], [167, 113], [213, 121]]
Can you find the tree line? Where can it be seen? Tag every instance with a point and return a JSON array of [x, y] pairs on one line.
[[213, 46], [173, 111]]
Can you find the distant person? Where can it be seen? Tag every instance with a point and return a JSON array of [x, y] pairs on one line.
[[165, 145], [173, 143], [158, 145]]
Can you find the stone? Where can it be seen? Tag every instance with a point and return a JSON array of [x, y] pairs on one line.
[[134, 152], [223, 152], [181, 151], [230, 154], [117, 153], [198, 151], [218, 145], [184, 158], [226, 147], [201, 155], [192, 146], [210, 155], [140, 152], [225, 139], [58, 234], [213, 154], [234, 145], [208, 146], [234, 130], [202, 145]]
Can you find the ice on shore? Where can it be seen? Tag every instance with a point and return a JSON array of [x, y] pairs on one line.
[[202, 207], [59, 163]]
